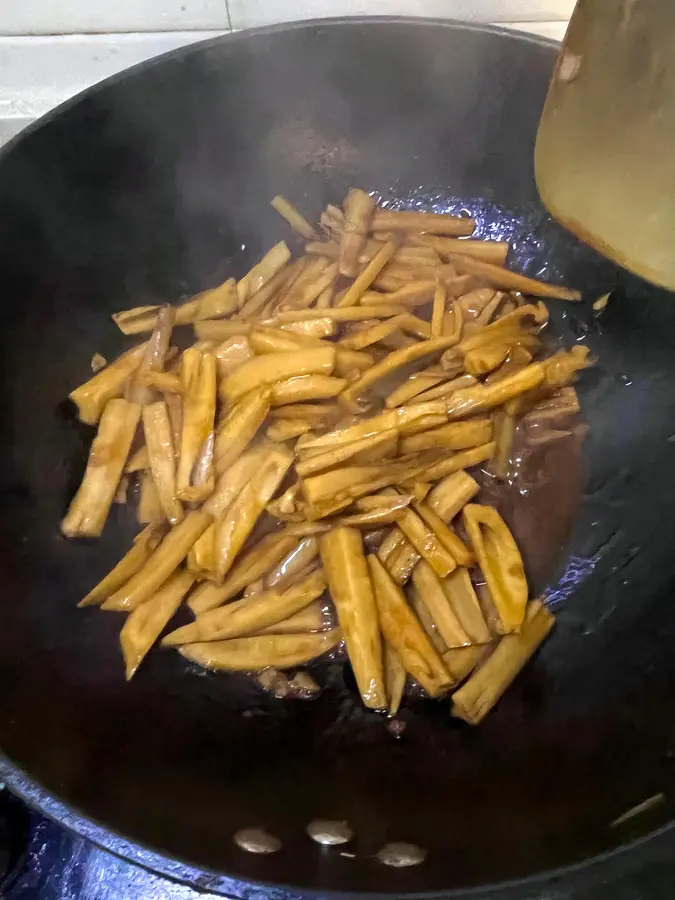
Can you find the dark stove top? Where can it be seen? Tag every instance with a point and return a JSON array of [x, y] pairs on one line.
[[40, 860]]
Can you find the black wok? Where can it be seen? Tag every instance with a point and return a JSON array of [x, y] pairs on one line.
[[156, 185]]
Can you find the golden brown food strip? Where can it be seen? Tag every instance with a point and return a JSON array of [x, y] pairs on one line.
[[433, 223], [426, 543], [89, 507], [447, 388], [163, 562], [368, 449], [462, 598], [306, 387], [92, 396], [438, 310], [430, 592], [398, 418], [238, 521], [465, 459], [461, 661], [145, 623], [344, 314], [363, 281], [252, 565], [392, 363], [250, 615], [198, 374], [260, 274], [507, 280], [287, 430], [476, 698], [155, 353], [162, 458], [374, 333], [311, 618], [240, 427], [445, 536], [403, 631], [450, 437], [422, 612], [504, 432], [359, 208], [131, 562], [149, 509], [410, 295], [395, 677], [283, 651], [274, 367], [295, 561], [451, 494], [305, 292], [484, 397], [501, 563], [415, 385], [494, 252], [352, 593], [294, 218]]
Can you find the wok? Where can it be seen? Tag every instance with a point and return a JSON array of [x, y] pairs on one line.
[[155, 185]]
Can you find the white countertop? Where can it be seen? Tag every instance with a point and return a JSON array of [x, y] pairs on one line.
[[39, 70]]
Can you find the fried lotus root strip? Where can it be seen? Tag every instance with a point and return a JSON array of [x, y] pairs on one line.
[[451, 494], [162, 458], [231, 353], [294, 218], [395, 677], [359, 208], [145, 623], [426, 543], [391, 364], [238, 521], [455, 436], [250, 615], [477, 697], [433, 223], [347, 573], [156, 352], [306, 387], [91, 504], [162, 563], [461, 661], [463, 599], [274, 260], [310, 619], [149, 510], [429, 590], [198, 374], [403, 631], [484, 397], [240, 427], [92, 396], [369, 449], [465, 459], [445, 536], [253, 565], [494, 252], [506, 280], [501, 563], [274, 367], [131, 562], [287, 569], [363, 281], [283, 651]]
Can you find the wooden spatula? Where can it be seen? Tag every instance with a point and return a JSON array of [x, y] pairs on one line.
[[605, 153]]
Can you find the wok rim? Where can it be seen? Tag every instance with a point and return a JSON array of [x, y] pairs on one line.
[[612, 864]]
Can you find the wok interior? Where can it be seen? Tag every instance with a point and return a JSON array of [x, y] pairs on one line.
[[157, 185]]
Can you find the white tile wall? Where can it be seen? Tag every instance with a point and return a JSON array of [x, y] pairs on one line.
[[73, 16], [52, 49], [248, 13]]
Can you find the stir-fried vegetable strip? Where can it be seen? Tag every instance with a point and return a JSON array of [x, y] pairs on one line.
[[311, 466]]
